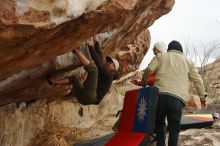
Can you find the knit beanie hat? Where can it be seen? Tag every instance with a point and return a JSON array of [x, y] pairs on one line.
[[175, 45], [160, 46]]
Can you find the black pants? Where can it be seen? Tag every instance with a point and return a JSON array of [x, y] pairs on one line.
[[170, 107]]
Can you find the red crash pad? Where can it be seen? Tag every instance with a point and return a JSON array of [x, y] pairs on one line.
[[126, 139], [137, 118]]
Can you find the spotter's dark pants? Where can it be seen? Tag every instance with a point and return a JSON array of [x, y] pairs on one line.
[[170, 107]]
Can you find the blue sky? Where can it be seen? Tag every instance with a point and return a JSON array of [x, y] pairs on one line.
[[193, 21]]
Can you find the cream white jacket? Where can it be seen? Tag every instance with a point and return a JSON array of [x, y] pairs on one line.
[[173, 73]]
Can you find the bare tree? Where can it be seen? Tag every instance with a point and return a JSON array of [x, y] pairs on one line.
[[202, 60]]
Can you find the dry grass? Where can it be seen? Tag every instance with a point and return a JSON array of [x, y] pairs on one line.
[[57, 135]]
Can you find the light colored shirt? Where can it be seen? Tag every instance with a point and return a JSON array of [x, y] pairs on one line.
[[173, 72]]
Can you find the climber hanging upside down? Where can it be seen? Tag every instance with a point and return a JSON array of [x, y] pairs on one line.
[[99, 78]]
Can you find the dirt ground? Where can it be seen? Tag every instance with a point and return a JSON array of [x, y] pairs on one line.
[[209, 136]]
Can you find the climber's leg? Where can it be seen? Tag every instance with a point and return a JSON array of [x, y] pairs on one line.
[[88, 93]]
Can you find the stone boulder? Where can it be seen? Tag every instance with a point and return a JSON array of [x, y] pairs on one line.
[[36, 39]]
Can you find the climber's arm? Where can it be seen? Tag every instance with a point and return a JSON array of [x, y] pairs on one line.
[[64, 81], [97, 48], [85, 61]]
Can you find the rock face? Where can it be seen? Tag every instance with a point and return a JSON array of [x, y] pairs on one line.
[[211, 76], [34, 33], [36, 38], [35, 123]]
